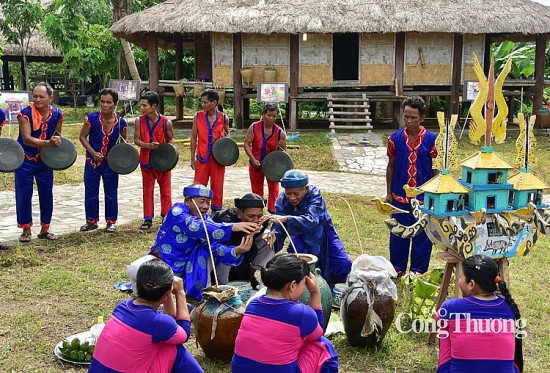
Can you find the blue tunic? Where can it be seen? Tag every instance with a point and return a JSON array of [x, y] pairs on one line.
[[181, 243], [311, 229]]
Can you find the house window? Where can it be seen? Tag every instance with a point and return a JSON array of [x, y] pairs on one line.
[[492, 178], [511, 195], [466, 200], [450, 205], [469, 177], [461, 201], [431, 204], [491, 202], [531, 197]]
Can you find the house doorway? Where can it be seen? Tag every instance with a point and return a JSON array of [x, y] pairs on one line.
[[345, 58]]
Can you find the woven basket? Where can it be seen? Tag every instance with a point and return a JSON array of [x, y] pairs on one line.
[[221, 93], [198, 88], [246, 74], [270, 75], [179, 89]]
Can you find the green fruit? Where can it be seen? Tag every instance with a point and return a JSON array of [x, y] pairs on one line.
[[75, 344], [73, 355], [91, 349], [84, 346], [81, 355], [88, 358], [66, 345]]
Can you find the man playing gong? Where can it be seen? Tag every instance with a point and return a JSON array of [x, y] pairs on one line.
[[151, 129], [98, 135], [263, 137], [40, 126], [208, 126]]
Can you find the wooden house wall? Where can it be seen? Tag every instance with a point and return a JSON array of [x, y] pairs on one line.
[[438, 55], [316, 60], [473, 43], [222, 59], [261, 51], [376, 58]]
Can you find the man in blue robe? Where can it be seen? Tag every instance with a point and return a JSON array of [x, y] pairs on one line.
[[302, 210], [182, 240]]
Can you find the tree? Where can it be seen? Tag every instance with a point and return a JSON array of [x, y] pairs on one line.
[[83, 45], [21, 19], [122, 8]]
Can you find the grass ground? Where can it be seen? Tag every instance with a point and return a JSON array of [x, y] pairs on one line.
[[56, 289]]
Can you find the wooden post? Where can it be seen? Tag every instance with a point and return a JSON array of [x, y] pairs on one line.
[[398, 73], [237, 81], [6, 75], [294, 70], [179, 74], [456, 81], [540, 48], [154, 72]]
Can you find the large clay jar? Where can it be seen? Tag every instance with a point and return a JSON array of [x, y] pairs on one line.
[[216, 333], [354, 314], [326, 293]]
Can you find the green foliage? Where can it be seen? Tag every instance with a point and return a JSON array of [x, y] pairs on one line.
[[19, 20], [523, 58]]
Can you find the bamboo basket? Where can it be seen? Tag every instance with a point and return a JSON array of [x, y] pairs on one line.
[[270, 75], [246, 75], [198, 88], [179, 89], [221, 93]]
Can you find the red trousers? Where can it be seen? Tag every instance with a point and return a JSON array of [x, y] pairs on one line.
[[148, 177], [215, 172], [257, 184]]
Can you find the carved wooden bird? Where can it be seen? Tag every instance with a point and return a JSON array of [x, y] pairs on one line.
[[387, 208], [479, 215], [411, 191]]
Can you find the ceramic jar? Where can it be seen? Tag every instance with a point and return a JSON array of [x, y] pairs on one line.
[[354, 313], [326, 293]]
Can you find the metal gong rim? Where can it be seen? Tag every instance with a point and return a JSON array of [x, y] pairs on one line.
[[164, 158], [275, 164], [123, 158], [61, 157], [12, 155], [225, 151]]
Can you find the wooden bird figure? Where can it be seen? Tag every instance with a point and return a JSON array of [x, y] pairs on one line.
[[479, 215], [411, 191], [387, 208]]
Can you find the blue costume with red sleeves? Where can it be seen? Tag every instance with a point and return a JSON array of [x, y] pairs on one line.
[[33, 168], [413, 166], [311, 229], [94, 170], [181, 243], [157, 132], [207, 167], [262, 145]]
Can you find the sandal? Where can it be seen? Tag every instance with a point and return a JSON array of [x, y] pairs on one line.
[[88, 227], [110, 228], [25, 237], [47, 236], [146, 224]]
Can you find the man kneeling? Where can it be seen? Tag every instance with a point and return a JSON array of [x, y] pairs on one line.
[[249, 208]]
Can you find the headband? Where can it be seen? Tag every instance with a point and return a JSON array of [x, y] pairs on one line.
[[294, 179], [249, 200], [197, 191]]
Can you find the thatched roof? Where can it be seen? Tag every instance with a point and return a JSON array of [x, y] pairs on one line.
[[331, 16], [39, 46]]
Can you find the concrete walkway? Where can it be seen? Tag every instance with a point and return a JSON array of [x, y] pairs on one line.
[[363, 155]]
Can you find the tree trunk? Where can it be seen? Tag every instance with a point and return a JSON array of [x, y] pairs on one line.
[[129, 56]]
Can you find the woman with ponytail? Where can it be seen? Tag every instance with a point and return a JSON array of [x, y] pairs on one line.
[[480, 332], [278, 334]]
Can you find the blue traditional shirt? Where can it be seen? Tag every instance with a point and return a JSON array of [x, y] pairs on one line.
[[181, 243], [310, 227]]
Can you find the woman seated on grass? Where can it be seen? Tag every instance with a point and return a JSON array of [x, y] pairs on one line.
[[137, 338], [480, 333], [277, 333]]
